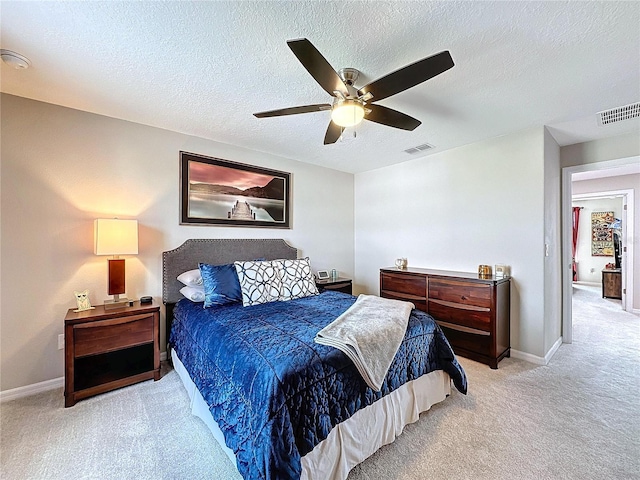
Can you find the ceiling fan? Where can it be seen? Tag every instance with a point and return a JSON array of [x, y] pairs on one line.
[[350, 105]]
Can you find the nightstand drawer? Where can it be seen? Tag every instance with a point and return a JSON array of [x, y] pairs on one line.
[[344, 287], [340, 284], [108, 335], [464, 293]]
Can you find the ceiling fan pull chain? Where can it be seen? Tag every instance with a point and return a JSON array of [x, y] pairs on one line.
[[348, 134]]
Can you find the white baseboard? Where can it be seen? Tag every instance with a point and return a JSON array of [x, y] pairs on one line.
[[27, 390], [552, 351], [528, 357]]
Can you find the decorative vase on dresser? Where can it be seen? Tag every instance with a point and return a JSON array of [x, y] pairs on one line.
[[473, 312]]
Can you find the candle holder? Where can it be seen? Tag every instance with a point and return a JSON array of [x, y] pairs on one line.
[[484, 271], [401, 263]]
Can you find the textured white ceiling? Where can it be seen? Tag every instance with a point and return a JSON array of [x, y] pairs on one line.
[[204, 68]]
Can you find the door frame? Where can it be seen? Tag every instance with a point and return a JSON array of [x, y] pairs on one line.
[[567, 228]]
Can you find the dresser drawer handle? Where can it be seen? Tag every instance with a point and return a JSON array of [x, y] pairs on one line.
[[463, 297]]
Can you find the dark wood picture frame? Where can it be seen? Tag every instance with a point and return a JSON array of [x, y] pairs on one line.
[[214, 191]]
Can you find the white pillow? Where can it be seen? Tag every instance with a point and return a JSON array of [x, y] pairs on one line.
[[297, 279], [195, 294], [192, 278], [260, 282]]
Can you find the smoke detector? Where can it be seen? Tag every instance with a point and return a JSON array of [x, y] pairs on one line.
[[619, 114], [15, 60]]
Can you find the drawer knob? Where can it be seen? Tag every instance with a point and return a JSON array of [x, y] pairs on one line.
[[463, 297]]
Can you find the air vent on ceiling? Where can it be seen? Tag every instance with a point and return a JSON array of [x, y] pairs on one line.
[[419, 149], [619, 114]]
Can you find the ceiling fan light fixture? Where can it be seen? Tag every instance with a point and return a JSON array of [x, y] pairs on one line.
[[347, 113]]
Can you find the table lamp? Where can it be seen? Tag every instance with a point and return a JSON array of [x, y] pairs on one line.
[[116, 237]]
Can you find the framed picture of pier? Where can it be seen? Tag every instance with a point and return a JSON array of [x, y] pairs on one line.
[[214, 191]]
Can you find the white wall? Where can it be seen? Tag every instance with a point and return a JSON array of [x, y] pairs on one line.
[[613, 148], [552, 243], [477, 204], [62, 168]]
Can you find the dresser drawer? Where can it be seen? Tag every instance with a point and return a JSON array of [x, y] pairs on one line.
[[420, 304], [458, 291], [108, 335], [465, 342], [459, 314], [411, 285]]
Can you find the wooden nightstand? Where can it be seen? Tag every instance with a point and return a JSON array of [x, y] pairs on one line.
[[105, 350], [340, 284], [612, 283]]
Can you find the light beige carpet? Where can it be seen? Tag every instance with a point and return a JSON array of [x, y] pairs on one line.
[[576, 418]]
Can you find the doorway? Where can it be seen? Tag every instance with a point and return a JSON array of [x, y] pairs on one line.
[[596, 170], [603, 264]]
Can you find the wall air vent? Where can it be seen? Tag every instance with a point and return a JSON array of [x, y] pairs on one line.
[[619, 114], [419, 149]]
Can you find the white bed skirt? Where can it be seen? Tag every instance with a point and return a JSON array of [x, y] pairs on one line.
[[355, 439]]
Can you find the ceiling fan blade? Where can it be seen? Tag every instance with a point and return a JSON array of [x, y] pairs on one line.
[[333, 133], [294, 110], [317, 66], [391, 118], [408, 76]]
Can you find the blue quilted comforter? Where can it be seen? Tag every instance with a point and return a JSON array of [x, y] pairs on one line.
[[274, 392]]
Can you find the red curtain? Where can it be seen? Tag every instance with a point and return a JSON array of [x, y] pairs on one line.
[[574, 243]]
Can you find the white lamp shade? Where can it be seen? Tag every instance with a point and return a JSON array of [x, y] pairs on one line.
[[115, 237]]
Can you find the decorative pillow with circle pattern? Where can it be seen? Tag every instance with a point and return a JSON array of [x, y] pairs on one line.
[[260, 282], [297, 279]]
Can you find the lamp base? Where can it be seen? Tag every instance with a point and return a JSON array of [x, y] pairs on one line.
[[112, 304]]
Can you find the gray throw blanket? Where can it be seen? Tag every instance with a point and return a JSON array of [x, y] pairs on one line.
[[369, 333]]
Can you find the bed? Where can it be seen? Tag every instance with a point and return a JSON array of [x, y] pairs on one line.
[[281, 405]]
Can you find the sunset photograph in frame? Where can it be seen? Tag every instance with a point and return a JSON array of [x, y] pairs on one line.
[[214, 191]]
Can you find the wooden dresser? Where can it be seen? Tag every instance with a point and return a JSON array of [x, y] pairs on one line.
[[473, 312]]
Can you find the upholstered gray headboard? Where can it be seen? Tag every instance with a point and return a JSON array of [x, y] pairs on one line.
[[218, 251]]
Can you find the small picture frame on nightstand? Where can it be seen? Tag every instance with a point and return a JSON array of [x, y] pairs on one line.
[[323, 275]]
